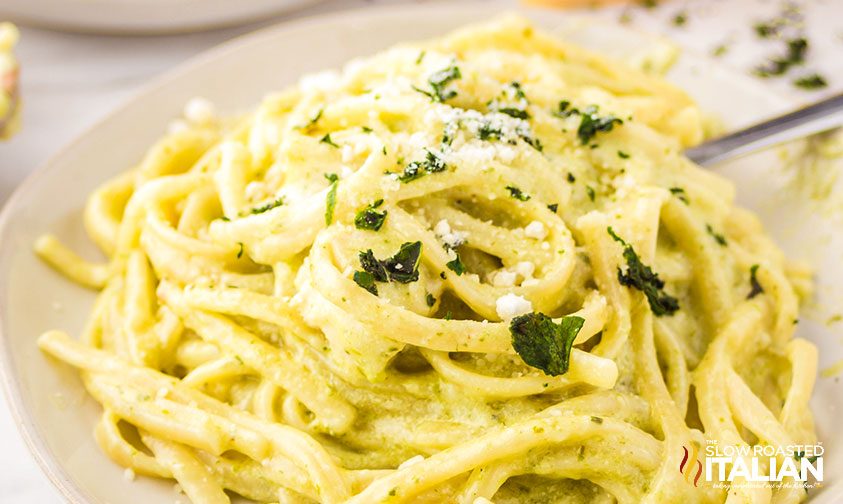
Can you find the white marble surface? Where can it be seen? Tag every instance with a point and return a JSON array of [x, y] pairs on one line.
[[71, 80]]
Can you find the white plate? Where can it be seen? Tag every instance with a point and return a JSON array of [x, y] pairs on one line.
[[142, 16], [54, 413]]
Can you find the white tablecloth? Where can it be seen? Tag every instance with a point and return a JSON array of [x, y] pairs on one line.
[[71, 80]]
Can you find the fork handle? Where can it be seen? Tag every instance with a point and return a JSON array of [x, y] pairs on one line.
[[821, 116]]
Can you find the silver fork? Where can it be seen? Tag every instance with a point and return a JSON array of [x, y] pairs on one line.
[[817, 118]]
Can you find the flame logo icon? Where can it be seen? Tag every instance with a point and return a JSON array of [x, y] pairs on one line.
[[692, 457]]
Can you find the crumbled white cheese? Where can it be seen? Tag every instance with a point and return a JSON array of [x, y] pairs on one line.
[[545, 246], [535, 230], [347, 153], [512, 305], [482, 500], [411, 462], [476, 153], [525, 269], [199, 110], [162, 393], [450, 237], [129, 474], [345, 172], [504, 278]]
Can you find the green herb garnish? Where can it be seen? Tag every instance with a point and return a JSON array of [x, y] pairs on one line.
[[643, 278], [544, 344], [517, 193], [366, 280], [680, 194], [327, 140], [571, 178], [331, 199], [416, 169], [553, 207], [240, 251], [516, 102], [430, 300], [719, 238], [590, 191], [267, 207], [591, 124], [623, 155], [369, 218], [564, 109], [403, 267], [680, 19], [813, 81], [797, 48], [456, 266], [753, 282], [439, 91], [312, 121]]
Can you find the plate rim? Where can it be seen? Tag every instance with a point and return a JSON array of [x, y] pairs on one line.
[[261, 10], [12, 388]]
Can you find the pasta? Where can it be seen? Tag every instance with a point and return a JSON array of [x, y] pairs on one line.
[[470, 270]]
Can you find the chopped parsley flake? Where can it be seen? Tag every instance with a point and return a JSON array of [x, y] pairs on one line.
[[542, 343], [369, 218], [623, 155], [553, 207], [366, 129], [571, 178], [813, 81], [331, 199], [267, 207], [564, 109], [403, 267], [439, 90], [456, 266], [312, 121], [797, 48], [420, 58], [416, 169], [240, 251], [590, 191], [719, 238], [327, 140], [753, 282], [680, 19], [596, 419], [517, 193], [643, 278], [487, 131], [430, 300], [366, 280], [591, 124], [680, 194], [514, 103]]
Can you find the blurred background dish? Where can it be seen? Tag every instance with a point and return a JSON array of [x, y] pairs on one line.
[[143, 16], [9, 100]]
